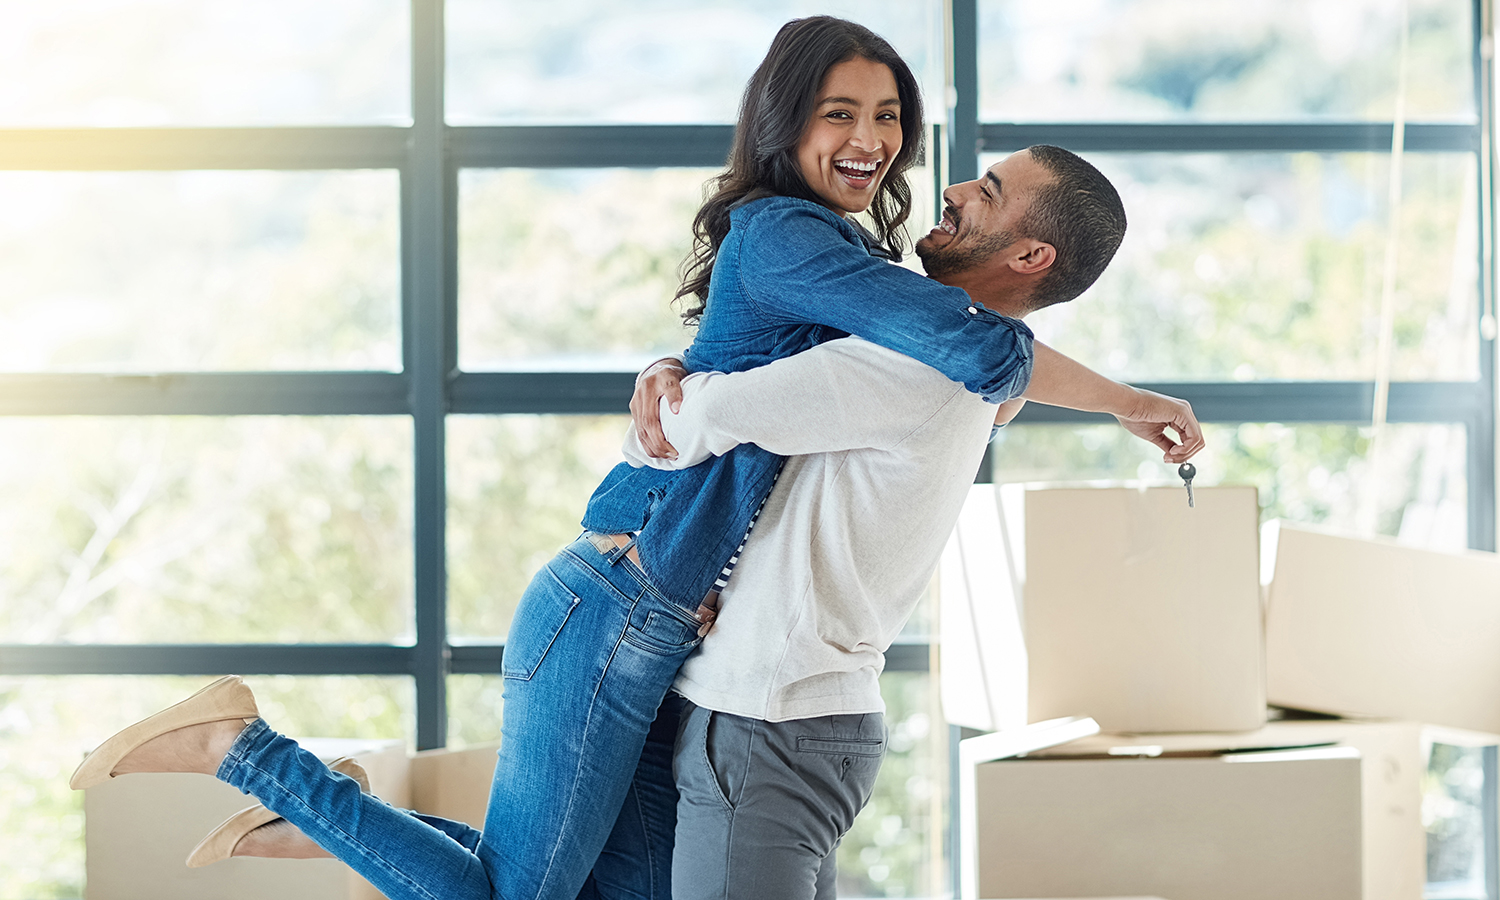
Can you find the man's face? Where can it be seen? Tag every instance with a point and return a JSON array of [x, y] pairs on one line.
[[982, 217]]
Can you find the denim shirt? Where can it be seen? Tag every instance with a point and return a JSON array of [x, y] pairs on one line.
[[791, 274]]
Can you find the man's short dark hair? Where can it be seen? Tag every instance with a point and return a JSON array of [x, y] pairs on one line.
[[1079, 214]]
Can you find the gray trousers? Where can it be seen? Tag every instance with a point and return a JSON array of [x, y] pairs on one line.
[[763, 805]]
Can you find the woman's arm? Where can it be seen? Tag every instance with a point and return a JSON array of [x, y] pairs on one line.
[[800, 265], [1009, 410]]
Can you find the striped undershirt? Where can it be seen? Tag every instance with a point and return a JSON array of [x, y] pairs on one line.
[[728, 569]]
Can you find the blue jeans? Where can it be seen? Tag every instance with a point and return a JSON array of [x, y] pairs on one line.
[[583, 803]]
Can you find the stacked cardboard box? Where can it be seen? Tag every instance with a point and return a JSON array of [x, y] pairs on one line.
[[1125, 605]]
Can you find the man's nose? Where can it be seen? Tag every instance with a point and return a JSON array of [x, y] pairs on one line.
[[956, 195]]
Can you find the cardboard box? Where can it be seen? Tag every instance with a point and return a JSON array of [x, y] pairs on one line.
[[1136, 610], [454, 784], [1147, 810], [1275, 826], [141, 829], [1371, 627], [990, 747]]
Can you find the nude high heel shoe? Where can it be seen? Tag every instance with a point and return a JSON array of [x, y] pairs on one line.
[[227, 698], [220, 843]]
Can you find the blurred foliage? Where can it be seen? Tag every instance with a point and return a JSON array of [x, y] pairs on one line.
[[184, 529], [1154, 60], [618, 234], [119, 63], [517, 486], [648, 61], [896, 847], [1249, 266], [475, 707], [192, 271], [1453, 814]]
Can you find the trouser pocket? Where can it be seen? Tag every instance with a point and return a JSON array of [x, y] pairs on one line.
[[543, 611]]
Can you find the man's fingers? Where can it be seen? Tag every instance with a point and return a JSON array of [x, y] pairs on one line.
[[1165, 443], [656, 444], [665, 448], [653, 437], [1192, 438], [1191, 441], [1159, 413], [662, 379]]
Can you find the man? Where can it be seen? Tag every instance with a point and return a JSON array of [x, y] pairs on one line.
[[780, 747]]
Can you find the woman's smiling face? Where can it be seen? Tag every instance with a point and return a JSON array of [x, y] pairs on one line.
[[854, 134]]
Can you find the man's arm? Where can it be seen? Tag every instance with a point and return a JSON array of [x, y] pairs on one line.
[[1057, 380], [843, 395]]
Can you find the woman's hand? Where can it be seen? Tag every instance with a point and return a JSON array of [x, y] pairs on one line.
[[1152, 414], [1009, 410], [662, 378]]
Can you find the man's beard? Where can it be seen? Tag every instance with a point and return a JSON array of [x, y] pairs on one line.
[[951, 259]]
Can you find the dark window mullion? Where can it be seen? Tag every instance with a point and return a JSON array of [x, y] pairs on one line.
[[1310, 401], [205, 394], [589, 146], [426, 248], [1481, 439], [1231, 137], [204, 659], [171, 149]]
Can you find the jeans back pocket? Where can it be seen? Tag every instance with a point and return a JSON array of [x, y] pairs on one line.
[[540, 616]]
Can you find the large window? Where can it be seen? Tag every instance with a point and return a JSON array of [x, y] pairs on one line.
[[1286, 261], [319, 320]]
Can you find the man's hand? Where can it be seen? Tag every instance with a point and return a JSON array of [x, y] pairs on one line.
[[1150, 417], [662, 378]]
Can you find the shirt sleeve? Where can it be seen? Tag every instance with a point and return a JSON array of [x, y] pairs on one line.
[[797, 267], [847, 394]]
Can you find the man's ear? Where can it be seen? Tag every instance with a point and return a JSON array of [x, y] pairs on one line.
[[1034, 258]]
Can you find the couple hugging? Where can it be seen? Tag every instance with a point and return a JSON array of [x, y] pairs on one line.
[[691, 703]]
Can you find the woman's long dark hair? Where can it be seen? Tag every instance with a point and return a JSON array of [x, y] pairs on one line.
[[775, 111]]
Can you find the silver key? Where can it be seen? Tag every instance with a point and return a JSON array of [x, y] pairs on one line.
[[1186, 471]]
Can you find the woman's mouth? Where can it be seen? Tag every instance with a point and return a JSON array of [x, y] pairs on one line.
[[858, 172]]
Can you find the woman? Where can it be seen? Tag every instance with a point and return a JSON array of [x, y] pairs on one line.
[[582, 802]]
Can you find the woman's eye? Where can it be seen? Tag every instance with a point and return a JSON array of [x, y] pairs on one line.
[[838, 114]]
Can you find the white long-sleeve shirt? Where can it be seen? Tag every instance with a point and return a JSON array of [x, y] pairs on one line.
[[882, 452]]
